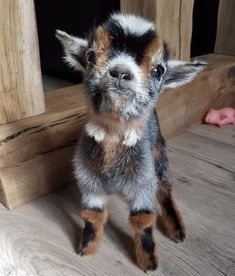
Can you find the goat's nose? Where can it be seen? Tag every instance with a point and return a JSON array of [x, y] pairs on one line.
[[121, 73]]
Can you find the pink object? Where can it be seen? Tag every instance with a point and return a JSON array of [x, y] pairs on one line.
[[220, 117]]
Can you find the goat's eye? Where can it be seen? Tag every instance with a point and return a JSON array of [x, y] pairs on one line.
[[90, 55], [158, 71]]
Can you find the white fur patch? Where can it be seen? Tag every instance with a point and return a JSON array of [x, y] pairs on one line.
[[131, 136], [95, 131], [94, 201], [133, 24]]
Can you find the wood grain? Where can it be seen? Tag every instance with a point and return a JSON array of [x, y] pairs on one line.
[[21, 92], [173, 19], [225, 38], [40, 238], [36, 153]]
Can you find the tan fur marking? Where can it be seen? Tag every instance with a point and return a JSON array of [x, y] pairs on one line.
[[142, 221], [155, 48], [101, 47], [94, 217], [97, 219], [169, 222]]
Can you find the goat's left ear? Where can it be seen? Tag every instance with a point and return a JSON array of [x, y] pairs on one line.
[[180, 72], [75, 50]]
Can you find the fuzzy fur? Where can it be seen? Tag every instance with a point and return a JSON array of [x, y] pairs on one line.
[[121, 150]]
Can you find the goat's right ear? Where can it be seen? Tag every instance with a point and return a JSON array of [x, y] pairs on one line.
[[75, 50]]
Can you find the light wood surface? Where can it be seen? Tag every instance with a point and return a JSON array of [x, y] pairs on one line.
[[173, 19], [40, 238], [225, 38], [21, 92], [36, 153]]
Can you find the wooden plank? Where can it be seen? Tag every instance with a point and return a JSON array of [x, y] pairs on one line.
[[30, 247], [186, 27], [184, 107], [225, 38], [36, 153], [173, 19], [27, 145], [21, 92]]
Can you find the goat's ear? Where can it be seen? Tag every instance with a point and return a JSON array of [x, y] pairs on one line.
[[75, 50], [180, 72]]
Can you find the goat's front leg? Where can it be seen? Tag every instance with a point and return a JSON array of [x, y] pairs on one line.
[[95, 216], [143, 221]]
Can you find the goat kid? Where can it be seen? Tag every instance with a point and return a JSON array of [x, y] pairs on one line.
[[121, 150]]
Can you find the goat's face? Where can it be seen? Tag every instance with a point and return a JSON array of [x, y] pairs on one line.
[[125, 65]]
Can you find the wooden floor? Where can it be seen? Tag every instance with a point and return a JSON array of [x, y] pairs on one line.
[[40, 238]]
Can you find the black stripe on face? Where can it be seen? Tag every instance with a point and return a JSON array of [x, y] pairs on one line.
[[126, 42], [88, 234]]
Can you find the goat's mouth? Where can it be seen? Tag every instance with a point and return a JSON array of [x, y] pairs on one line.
[[118, 89]]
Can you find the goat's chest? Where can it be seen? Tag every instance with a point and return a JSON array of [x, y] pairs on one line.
[[112, 154]]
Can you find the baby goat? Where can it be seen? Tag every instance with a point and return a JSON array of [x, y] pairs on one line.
[[121, 150]]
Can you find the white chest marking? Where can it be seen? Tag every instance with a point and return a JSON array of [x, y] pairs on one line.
[[130, 136], [95, 131]]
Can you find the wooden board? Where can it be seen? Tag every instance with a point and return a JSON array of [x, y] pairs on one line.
[[173, 19], [21, 92], [225, 38], [41, 238], [36, 153]]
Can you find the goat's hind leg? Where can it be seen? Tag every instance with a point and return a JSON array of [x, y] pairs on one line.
[[170, 219]]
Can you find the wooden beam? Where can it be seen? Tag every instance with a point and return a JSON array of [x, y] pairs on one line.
[[225, 39], [36, 153], [21, 92], [173, 19]]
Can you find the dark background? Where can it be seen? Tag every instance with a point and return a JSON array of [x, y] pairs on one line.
[[78, 17]]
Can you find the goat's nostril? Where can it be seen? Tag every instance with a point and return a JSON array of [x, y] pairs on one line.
[[114, 73], [127, 76], [121, 74]]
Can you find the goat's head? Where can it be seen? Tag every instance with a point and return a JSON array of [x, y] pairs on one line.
[[125, 65]]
